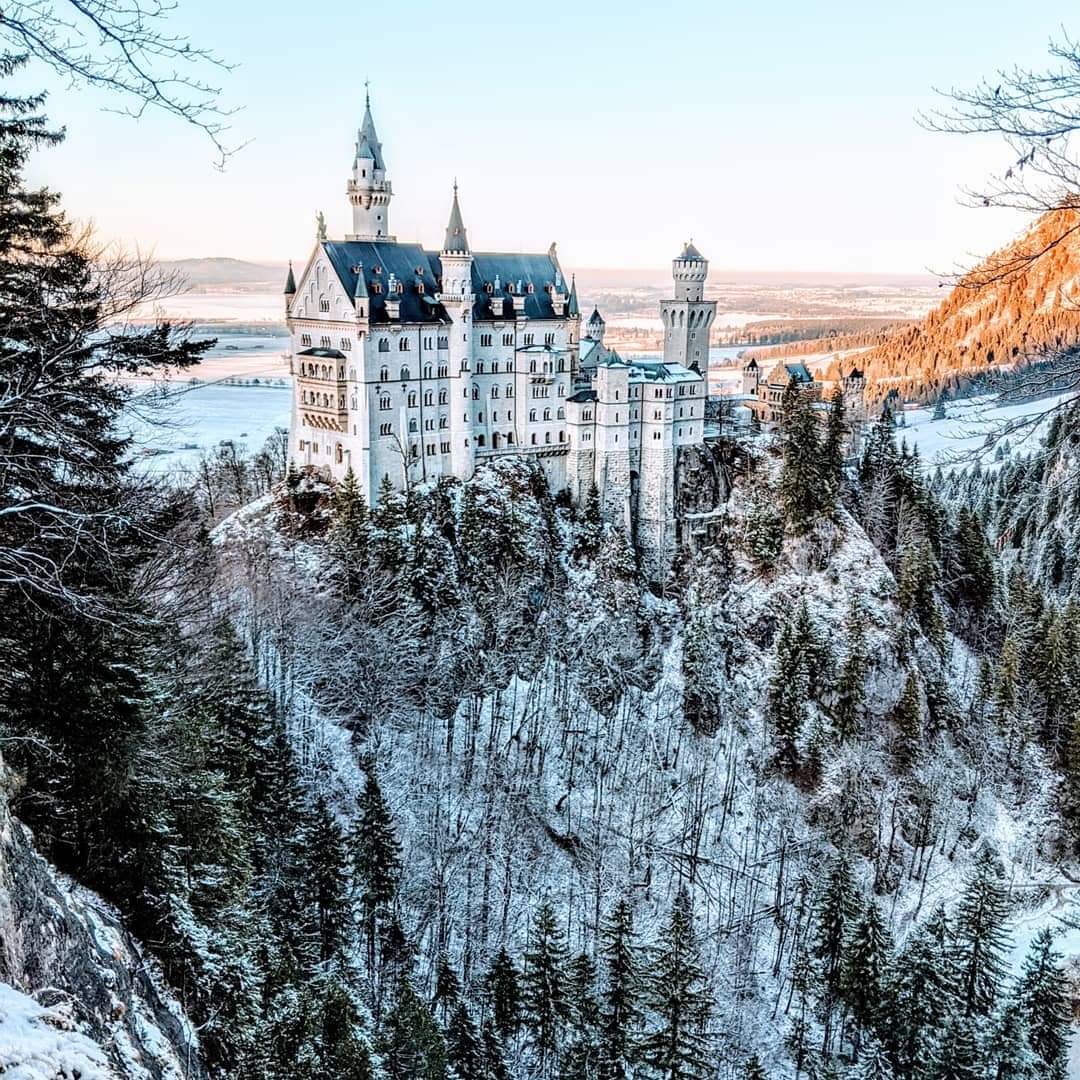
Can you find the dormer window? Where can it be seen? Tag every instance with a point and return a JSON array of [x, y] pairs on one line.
[[510, 288], [377, 270], [488, 288], [420, 287], [531, 288], [376, 288]]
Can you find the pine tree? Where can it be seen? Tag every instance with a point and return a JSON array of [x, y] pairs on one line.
[[344, 1039], [832, 453], [494, 1056], [1070, 788], [590, 530], [545, 1004], [410, 1043], [981, 945], [850, 687], [753, 1069], [376, 857], [504, 991], [908, 719], [447, 987], [874, 1063], [621, 1013], [326, 877], [763, 535], [866, 972], [464, 1052], [834, 916], [1043, 996], [957, 1055], [789, 692], [678, 1046], [580, 1058], [1008, 1052], [801, 480]]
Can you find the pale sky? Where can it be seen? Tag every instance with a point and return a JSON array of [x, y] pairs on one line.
[[779, 136]]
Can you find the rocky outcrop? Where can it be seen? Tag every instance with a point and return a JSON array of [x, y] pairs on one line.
[[67, 949]]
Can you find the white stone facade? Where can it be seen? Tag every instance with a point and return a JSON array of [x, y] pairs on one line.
[[412, 364]]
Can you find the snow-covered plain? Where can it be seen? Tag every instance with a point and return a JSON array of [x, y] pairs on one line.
[[974, 428]]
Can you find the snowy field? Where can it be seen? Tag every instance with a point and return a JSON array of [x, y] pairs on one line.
[[974, 428]]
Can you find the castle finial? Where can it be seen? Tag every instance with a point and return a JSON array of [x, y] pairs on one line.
[[367, 93]]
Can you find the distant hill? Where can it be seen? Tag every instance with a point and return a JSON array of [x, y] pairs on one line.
[[1010, 310], [222, 272]]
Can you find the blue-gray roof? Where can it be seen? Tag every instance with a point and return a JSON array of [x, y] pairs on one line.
[[691, 254], [456, 240], [408, 263], [511, 269], [798, 373]]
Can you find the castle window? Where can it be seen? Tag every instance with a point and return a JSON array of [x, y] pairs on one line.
[[429, 425], [412, 427], [443, 423], [488, 288], [376, 288], [586, 414], [547, 414], [494, 391], [508, 339], [479, 440], [510, 436], [412, 399], [531, 288], [509, 389], [561, 414], [324, 342], [479, 367], [305, 339], [547, 436], [384, 375], [534, 438], [444, 343], [427, 342], [324, 304], [384, 345], [532, 415], [384, 402], [346, 344], [562, 436], [444, 447], [420, 290], [444, 371], [476, 393], [562, 363], [529, 338], [403, 345], [549, 339], [429, 398], [443, 397], [427, 371], [485, 339], [404, 374]]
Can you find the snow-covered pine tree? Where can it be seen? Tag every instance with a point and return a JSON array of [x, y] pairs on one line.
[[677, 1046], [581, 1055], [464, 1052], [1043, 995], [866, 973], [907, 716], [753, 1070], [410, 1043], [832, 453], [834, 916], [376, 858], [621, 1013], [447, 994], [981, 944], [545, 994], [801, 482], [1009, 1055], [328, 882], [503, 986], [848, 712], [493, 1054]]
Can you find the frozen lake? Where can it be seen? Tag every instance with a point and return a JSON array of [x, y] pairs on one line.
[[174, 424]]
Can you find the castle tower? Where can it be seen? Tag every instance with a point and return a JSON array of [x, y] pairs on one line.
[[750, 378], [596, 325], [369, 191], [457, 297], [688, 316]]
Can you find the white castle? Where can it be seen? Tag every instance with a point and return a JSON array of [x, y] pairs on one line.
[[414, 364]]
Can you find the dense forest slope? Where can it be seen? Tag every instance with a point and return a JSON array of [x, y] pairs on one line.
[[1018, 304]]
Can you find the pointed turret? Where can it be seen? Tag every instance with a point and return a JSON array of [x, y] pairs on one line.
[[457, 242], [572, 308], [368, 189], [596, 324], [290, 282]]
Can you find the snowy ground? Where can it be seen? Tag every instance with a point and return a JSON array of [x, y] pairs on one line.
[[973, 429], [41, 1044]]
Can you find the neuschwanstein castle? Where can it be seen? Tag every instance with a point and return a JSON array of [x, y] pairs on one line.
[[415, 364]]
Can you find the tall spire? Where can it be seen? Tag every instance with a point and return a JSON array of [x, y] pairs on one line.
[[457, 242], [290, 282], [367, 141], [368, 189], [572, 308]]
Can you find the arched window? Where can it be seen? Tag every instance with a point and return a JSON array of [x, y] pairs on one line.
[[412, 427], [339, 453], [384, 375], [561, 414], [476, 393], [495, 391], [403, 345], [509, 389], [404, 374], [509, 438], [547, 436], [443, 397], [479, 440], [384, 402], [429, 398], [384, 345], [532, 414], [534, 438], [562, 436], [427, 370], [412, 399], [547, 414], [324, 303]]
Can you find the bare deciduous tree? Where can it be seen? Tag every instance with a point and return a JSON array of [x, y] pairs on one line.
[[126, 48]]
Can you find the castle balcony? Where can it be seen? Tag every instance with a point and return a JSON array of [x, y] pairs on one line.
[[487, 453]]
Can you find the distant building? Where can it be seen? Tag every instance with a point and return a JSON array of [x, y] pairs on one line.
[[413, 364]]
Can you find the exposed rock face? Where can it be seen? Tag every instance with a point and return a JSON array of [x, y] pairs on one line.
[[703, 480], [65, 947]]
